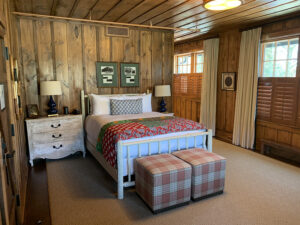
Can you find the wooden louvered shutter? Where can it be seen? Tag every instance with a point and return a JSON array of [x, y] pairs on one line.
[[284, 101], [187, 85], [264, 98]]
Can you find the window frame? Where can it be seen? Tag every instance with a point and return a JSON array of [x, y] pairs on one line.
[[193, 65], [262, 61]]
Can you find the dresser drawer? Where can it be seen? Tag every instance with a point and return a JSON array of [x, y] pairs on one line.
[[58, 146], [49, 137], [57, 125]]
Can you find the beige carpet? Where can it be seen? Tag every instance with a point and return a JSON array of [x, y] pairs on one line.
[[258, 191]]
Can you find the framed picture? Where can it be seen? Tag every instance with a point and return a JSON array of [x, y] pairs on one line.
[[32, 111], [130, 75], [2, 97], [228, 81], [107, 74]]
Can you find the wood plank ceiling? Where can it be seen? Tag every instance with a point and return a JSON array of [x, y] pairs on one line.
[[171, 13]]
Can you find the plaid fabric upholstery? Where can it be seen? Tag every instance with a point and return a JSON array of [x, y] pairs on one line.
[[208, 171], [162, 180]]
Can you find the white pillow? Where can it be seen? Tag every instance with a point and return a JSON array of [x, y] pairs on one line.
[[100, 104], [147, 105]]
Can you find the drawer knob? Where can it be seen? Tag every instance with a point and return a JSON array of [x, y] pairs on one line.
[[58, 125], [57, 147], [58, 136]]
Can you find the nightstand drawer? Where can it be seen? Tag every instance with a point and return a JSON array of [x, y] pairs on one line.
[[55, 136], [50, 148], [57, 125]]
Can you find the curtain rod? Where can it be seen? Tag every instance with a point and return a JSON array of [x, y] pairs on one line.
[[102, 22]]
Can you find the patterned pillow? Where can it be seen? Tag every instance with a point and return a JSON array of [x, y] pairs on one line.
[[128, 106]]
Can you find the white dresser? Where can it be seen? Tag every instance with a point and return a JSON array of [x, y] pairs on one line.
[[55, 137]]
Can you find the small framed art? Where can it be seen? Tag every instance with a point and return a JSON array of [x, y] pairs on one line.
[[32, 111], [107, 74], [228, 81], [2, 97], [130, 73]]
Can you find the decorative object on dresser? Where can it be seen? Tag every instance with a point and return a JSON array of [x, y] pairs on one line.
[[107, 74], [32, 111], [66, 110], [50, 88], [228, 81], [55, 137], [162, 91], [130, 73]]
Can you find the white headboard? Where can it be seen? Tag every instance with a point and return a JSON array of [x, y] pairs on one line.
[[84, 98]]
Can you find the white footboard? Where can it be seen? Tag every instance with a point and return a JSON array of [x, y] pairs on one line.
[[207, 144]]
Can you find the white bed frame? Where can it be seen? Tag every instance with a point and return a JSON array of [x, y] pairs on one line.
[[118, 174]]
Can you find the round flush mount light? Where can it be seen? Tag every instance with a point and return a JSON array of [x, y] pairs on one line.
[[221, 4]]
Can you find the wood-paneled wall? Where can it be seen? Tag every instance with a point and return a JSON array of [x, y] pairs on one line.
[[68, 51], [283, 130], [229, 51]]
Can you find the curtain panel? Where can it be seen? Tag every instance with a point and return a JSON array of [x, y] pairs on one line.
[[246, 96], [209, 84]]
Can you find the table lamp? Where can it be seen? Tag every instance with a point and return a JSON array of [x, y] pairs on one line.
[[50, 88], [162, 91]]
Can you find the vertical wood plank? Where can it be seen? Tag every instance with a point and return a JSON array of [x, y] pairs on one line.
[[89, 58], [75, 63], [145, 60], [157, 66], [103, 53], [194, 111], [28, 61], [60, 43], [44, 58], [168, 52]]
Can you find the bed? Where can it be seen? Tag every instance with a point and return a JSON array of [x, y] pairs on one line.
[[127, 150]]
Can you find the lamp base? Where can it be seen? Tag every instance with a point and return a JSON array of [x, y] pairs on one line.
[[163, 106], [52, 106]]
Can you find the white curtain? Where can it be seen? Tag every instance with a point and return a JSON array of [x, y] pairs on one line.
[[245, 105], [209, 84]]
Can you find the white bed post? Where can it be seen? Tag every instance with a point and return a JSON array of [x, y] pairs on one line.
[[209, 140], [120, 171]]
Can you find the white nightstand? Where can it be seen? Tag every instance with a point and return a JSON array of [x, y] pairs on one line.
[[55, 137]]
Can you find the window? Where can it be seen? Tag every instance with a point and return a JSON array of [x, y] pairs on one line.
[[189, 63], [183, 64], [199, 61], [279, 58]]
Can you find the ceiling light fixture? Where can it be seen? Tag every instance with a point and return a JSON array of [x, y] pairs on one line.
[[221, 4]]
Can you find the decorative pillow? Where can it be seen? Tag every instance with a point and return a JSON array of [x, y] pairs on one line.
[[147, 105], [127, 106], [100, 104]]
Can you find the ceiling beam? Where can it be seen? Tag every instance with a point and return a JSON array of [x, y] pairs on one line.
[[108, 11], [53, 8], [73, 8], [101, 22]]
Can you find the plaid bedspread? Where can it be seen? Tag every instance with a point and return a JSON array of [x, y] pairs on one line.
[[112, 132]]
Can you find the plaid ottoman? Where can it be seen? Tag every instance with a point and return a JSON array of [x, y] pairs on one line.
[[208, 172], [163, 181]]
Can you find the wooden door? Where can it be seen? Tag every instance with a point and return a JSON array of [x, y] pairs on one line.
[[7, 174]]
